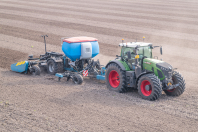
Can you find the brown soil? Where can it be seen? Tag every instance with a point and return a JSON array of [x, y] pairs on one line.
[[52, 38], [42, 103], [9, 57]]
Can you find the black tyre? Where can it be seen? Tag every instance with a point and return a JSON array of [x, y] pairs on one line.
[[54, 67], [35, 70], [177, 79], [149, 87], [115, 78], [77, 79]]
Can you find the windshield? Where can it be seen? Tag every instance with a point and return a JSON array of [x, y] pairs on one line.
[[145, 51]]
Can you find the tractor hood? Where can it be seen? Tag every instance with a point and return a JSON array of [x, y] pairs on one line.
[[152, 60], [160, 64], [164, 67]]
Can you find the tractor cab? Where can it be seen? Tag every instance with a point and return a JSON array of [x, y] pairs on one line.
[[132, 50]]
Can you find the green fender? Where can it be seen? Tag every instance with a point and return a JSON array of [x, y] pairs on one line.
[[118, 63], [144, 73]]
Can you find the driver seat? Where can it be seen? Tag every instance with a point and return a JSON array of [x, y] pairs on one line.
[[131, 63]]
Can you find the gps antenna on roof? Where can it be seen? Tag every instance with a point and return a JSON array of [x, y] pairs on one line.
[[143, 39], [44, 41], [122, 41]]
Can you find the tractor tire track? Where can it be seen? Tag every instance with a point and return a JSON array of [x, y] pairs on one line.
[[164, 25]]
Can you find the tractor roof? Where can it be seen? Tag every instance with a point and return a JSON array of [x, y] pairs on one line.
[[135, 44], [79, 39]]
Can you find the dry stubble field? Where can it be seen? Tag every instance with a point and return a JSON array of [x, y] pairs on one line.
[[41, 103]]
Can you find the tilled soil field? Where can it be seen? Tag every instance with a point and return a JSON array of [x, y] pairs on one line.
[[41, 103]]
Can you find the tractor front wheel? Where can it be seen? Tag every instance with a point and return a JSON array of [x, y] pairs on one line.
[[177, 79], [115, 78], [149, 87]]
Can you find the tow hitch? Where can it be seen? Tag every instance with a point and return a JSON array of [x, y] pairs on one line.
[[170, 87]]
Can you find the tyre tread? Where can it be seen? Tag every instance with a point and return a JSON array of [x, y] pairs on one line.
[[181, 88], [122, 88], [79, 78], [58, 67], [156, 84], [37, 70]]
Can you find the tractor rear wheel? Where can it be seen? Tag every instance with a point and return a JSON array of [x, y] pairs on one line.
[[54, 67], [77, 79], [149, 87], [115, 78], [35, 70], [177, 79]]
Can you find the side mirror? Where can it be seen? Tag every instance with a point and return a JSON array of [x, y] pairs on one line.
[[161, 50], [129, 54]]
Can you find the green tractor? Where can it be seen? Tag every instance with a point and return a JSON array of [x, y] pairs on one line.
[[136, 68]]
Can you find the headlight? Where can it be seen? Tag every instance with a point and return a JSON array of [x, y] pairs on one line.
[[164, 69]]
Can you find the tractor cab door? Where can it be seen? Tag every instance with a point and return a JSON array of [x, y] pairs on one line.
[[130, 61], [145, 51]]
